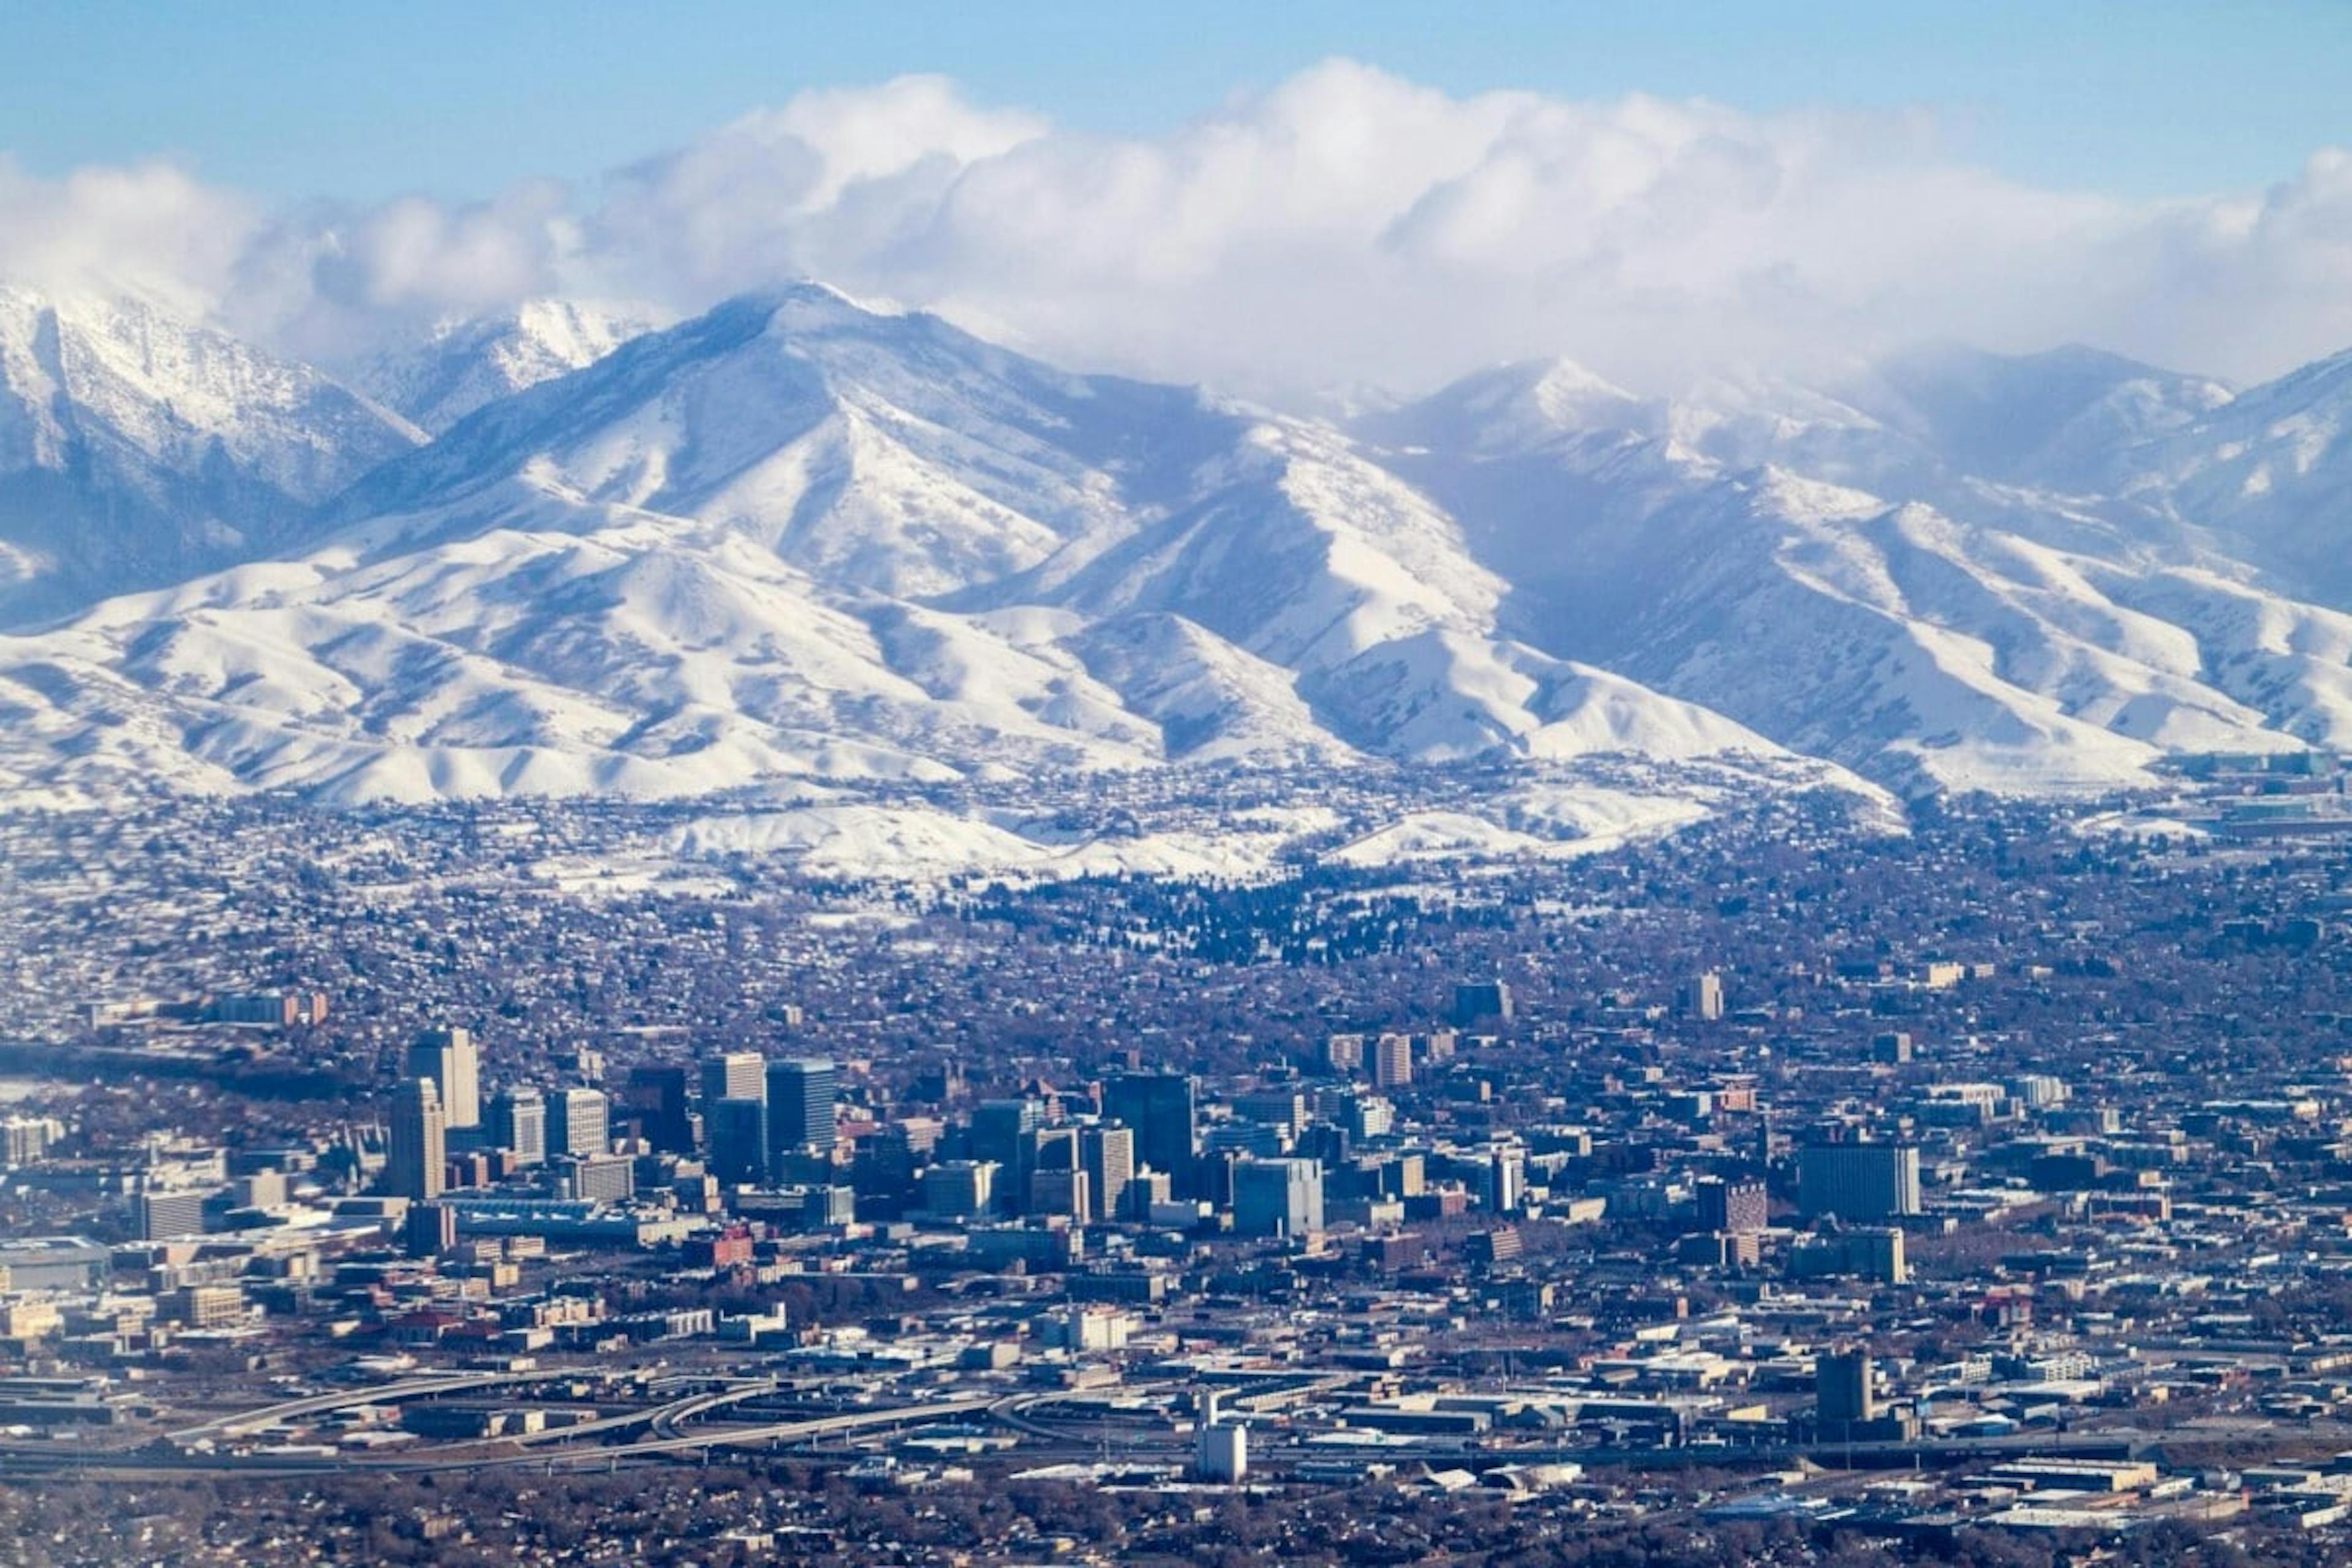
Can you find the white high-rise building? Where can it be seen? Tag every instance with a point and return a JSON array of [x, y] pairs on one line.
[[451, 1060], [1703, 997], [414, 1164], [579, 1121]]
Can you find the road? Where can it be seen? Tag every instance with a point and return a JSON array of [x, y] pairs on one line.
[[151, 1465], [345, 1399]]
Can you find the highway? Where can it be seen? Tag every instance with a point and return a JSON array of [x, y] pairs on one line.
[[345, 1399], [151, 1465], [675, 1428]]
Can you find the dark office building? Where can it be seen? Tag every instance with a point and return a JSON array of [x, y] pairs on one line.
[[428, 1230], [739, 1141], [1160, 1108], [517, 1123], [657, 1098], [1004, 1134], [801, 1094], [1858, 1180], [1477, 1002]]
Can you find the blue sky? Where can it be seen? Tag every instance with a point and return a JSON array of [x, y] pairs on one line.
[[362, 101]]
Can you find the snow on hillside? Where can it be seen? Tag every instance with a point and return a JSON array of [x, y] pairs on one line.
[[1997, 637], [464, 363], [798, 539], [919, 841], [2271, 472], [136, 450]]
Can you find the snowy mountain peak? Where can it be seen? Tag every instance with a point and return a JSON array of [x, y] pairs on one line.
[[2059, 417], [798, 537], [136, 448], [1513, 408], [466, 362], [808, 302]]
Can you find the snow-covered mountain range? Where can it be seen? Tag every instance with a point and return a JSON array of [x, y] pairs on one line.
[[136, 451], [801, 538]]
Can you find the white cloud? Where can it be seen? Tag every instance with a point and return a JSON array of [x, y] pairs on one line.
[[151, 229], [828, 183], [1346, 227], [328, 284]]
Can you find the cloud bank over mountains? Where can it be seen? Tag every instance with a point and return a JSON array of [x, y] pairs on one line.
[[1345, 228]]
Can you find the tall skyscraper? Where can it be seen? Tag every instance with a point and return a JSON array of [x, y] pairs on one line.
[[1060, 1192], [519, 1124], [1393, 1061], [735, 1075], [1507, 1180], [656, 1096], [738, 1127], [429, 1230], [1160, 1108], [414, 1166], [1005, 1135], [451, 1060], [960, 1189], [1282, 1108], [1107, 1153], [801, 1094], [579, 1121]]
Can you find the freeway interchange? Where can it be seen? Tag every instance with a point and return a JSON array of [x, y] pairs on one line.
[[687, 1417], [233, 1442]]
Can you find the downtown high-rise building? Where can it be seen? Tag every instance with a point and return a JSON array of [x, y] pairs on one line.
[[451, 1060], [517, 1123], [579, 1121], [1107, 1153], [1161, 1109], [1005, 1135], [737, 1126], [800, 1096], [1733, 1207], [1278, 1198], [1858, 1180], [733, 1075], [656, 1096], [415, 1162], [1702, 997]]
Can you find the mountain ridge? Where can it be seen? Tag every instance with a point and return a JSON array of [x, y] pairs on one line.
[[801, 538]]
